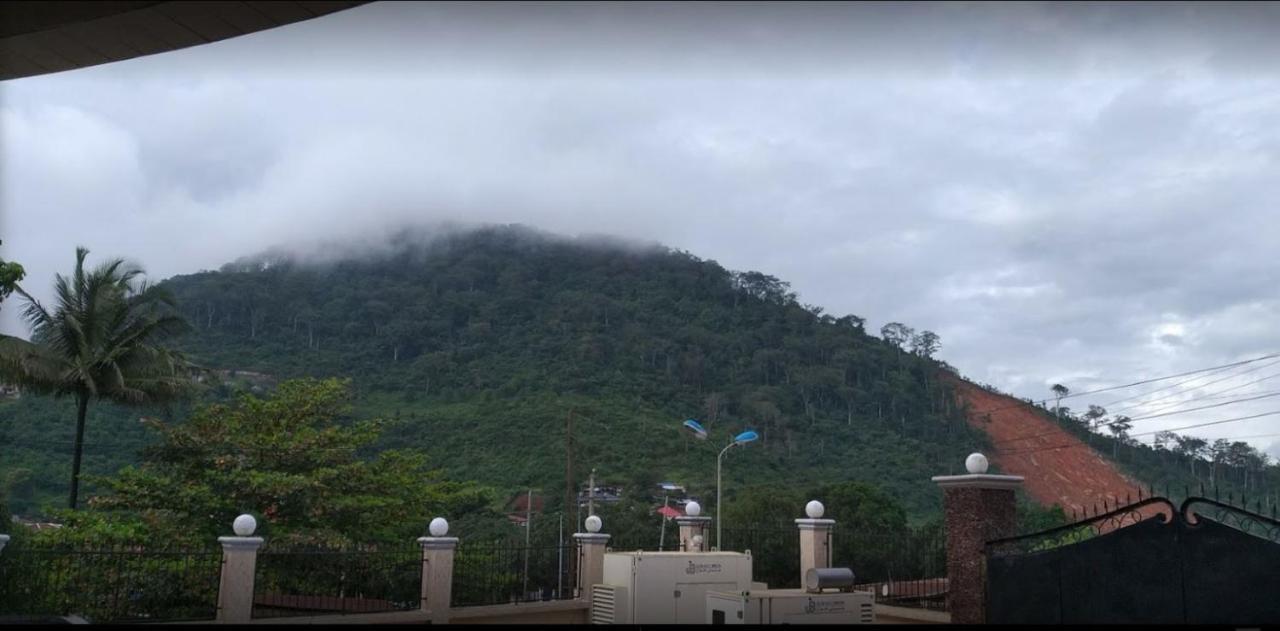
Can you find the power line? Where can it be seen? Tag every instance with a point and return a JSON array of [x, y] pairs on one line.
[[1230, 420], [1130, 385], [1256, 368], [1181, 383], [1144, 418], [1231, 437], [1203, 407], [1218, 395], [1032, 450]]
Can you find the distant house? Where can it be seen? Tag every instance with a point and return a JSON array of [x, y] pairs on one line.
[[604, 494], [9, 392], [36, 525], [517, 506]]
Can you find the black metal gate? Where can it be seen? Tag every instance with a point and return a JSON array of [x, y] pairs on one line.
[[1206, 562]]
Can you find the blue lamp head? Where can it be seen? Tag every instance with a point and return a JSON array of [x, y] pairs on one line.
[[745, 437], [698, 431]]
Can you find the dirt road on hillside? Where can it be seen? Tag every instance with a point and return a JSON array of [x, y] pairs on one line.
[[1073, 476]]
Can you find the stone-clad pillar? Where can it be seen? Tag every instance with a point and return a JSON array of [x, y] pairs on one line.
[[977, 508]]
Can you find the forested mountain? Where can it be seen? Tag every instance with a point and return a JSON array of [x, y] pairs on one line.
[[482, 346]]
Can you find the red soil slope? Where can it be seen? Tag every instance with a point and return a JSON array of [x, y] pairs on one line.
[[1074, 477]]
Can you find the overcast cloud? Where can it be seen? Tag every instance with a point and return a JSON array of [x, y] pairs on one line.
[[1070, 193]]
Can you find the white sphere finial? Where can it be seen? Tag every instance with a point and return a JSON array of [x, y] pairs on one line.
[[244, 525], [693, 509], [976, 463], [438, 527], [814, 509], [594, 524]]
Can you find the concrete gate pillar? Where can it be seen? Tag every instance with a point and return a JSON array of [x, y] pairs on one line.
[[239, 567], [591, 546], [691, 527], [815, 539], [438, 552]]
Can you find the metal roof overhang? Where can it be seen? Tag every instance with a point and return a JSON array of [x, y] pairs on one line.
[[43, 37]]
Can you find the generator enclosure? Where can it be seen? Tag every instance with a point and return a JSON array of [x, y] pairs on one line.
[[668, 587], [789, 606]]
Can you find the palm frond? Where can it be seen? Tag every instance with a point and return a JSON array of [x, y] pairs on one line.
[[34, 313], [26, 365]]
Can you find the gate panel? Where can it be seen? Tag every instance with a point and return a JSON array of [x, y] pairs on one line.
[[1024, 590], [1219, 564], [1231, 577], [1126, 576]]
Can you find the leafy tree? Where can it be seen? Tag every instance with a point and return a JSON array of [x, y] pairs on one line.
[[1192, 448], [293, 460], [11, 348], [1218, 453], [101, 341], [1119, 427], [861, 506], [897, 334], [926, 344], [1093, 418], [1164, 439], [1059, 391], [1032, 517], [11, 274]]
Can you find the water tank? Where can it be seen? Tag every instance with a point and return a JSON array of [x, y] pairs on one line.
[[820, 578]]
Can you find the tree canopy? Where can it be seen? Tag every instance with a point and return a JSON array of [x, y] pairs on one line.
[[480, 344], [298, 461]]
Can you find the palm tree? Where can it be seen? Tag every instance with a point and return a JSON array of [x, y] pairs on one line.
[[100, 342]]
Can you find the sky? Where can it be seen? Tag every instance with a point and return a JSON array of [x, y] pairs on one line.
[[1070, 193]]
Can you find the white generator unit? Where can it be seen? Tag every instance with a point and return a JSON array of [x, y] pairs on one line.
[[789, 606], [665, 587]]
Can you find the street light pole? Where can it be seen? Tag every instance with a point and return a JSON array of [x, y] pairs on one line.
[[740, 439], [718, 522]]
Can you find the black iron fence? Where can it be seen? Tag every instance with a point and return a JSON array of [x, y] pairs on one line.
[[905, 569], [648, 542], [506, 571], [775, 552], [116, 584], [132, 583], [308, 581]]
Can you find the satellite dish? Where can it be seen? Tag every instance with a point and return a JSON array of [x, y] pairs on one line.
[[696, 428]]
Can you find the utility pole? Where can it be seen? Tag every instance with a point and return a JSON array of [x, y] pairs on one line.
[[528, 528], [570, 489], [663, 534], [591, 494], [560, 559], [570, 493]]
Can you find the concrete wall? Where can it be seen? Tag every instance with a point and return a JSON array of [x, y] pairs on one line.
[[886, 614], [566, 612], [551, 612]]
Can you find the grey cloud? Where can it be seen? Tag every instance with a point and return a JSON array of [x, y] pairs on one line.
[[1051, 187]]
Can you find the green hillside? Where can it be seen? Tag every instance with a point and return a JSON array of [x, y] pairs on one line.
[[480, 345]]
